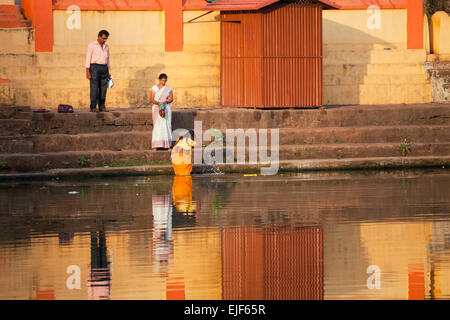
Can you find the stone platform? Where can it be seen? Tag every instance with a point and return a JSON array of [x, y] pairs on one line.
[[119, 142]]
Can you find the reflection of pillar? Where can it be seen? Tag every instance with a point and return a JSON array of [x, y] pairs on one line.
[[416, 282], [45, 292], [99, 277], [175, 288], [280, 262]]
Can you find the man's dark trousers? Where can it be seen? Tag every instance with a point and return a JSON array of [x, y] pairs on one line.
[[99, 85]]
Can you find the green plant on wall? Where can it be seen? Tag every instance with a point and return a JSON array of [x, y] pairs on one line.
[[405, 147], [82, 161]]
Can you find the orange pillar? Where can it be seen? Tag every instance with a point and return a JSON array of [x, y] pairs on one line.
[[415, 24], [173, 10], [40, 12]]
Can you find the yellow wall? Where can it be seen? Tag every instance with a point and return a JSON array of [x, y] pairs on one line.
[[357, 68], [137, 58], [366, 60], [351, 26], [440, 28], [7, 2]]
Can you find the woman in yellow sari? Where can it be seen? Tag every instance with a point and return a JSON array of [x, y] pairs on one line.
[[182, 154]]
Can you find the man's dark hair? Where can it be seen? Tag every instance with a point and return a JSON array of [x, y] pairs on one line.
[[103, 32], [162, 76]]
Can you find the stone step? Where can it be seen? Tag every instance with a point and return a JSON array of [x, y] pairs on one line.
[[374, 56], [33, 71], [131, 59], [20, 40], [377, 93], [331, 151], [115, 48], [141, 140], [366, 134], [205, 96], [9, 112], [44, 161], [73, 159], [363, 46], [345, 116], [361, 70], [140, 119], [113, 141], [119, 83], [376, 79], [12, 127]]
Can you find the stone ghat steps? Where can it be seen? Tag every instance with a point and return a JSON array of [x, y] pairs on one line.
[[138, 59], [346, 116], [79, 159], [377, 79], [374, 56], [361, 70], [207, 96], [141, 140], [19, 40], [14, 162], [373, 93], [146, 84], [118, 60], [140, 119], [150, 72]]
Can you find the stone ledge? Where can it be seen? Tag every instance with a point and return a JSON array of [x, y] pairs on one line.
[[284, 166]]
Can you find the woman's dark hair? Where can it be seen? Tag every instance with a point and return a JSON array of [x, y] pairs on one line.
[[162, 76], [190, 134], [103, 32]]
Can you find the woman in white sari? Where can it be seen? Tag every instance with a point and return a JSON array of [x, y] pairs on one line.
[[162, 97]]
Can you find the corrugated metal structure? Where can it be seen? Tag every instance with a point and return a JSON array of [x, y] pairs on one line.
[[271, 52], [272, 263]]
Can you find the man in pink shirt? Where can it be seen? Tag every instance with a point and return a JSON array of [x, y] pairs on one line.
[[97, 70]]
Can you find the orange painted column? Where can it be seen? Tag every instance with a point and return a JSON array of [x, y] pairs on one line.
[[40, 12], [415, 24], [173, 10]]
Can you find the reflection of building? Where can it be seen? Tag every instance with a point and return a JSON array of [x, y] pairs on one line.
[[99, 276], [277, 262]]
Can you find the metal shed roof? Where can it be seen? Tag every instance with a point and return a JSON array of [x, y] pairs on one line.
[[231, 5]]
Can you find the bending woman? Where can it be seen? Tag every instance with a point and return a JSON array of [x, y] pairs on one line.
[[162, 97]]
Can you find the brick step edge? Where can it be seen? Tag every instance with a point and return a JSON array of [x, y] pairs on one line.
[[381, 163]]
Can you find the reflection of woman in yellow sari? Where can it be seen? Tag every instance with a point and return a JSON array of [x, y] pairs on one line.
[[182, 195], [182, 154]]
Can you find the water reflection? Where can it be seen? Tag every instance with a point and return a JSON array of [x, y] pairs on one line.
[[273, 263], [99, 280], [308, 236], [162, 231]]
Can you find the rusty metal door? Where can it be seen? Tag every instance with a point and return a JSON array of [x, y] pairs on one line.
[[293, 55], [232, 88]]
